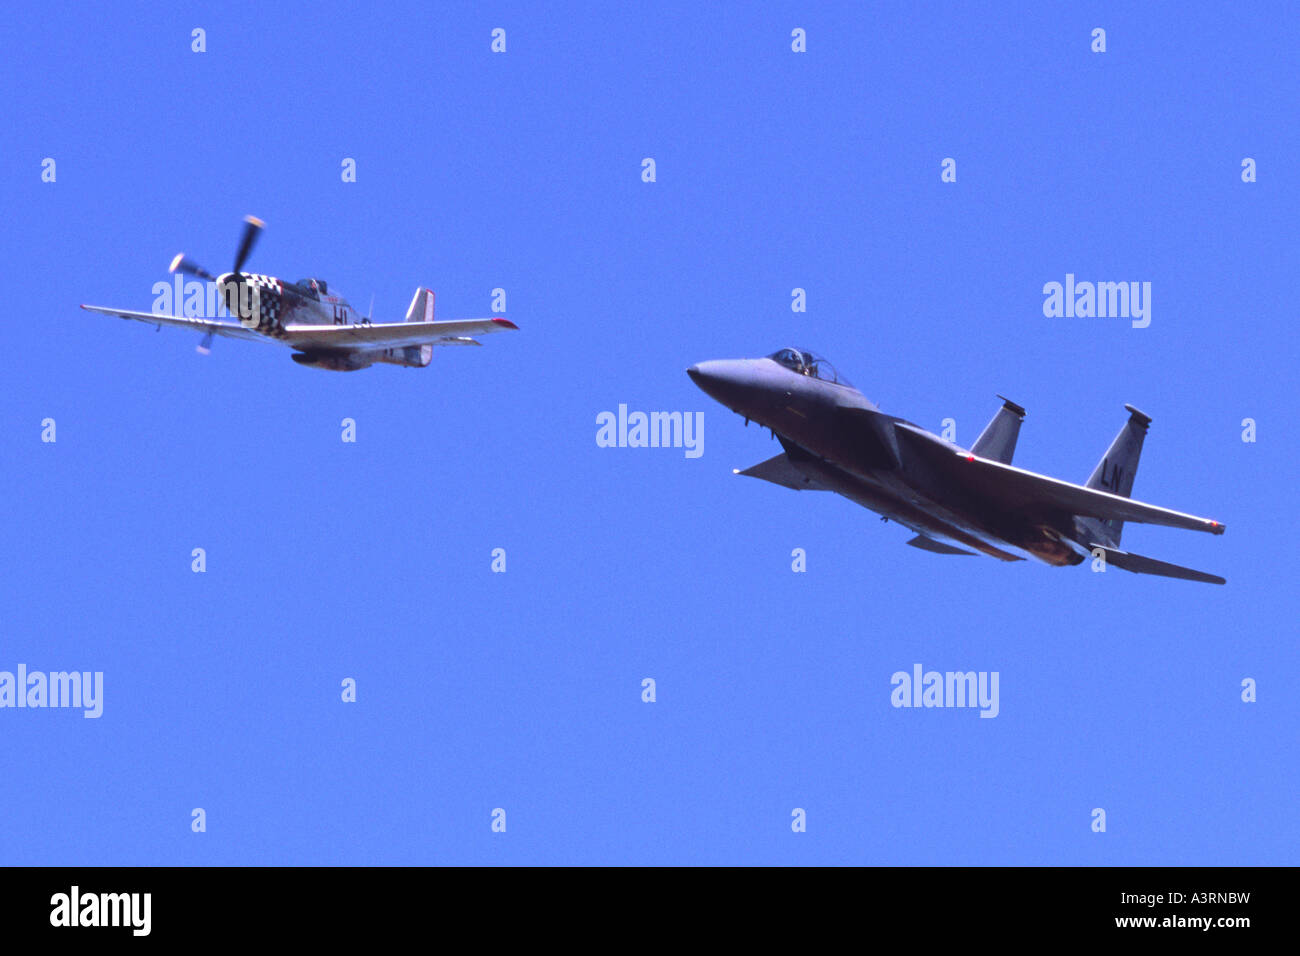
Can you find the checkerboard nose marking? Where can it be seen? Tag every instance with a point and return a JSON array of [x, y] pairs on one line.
[[265, 293]]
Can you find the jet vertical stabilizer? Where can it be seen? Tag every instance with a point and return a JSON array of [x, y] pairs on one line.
[[1115, 473], [998, 440]]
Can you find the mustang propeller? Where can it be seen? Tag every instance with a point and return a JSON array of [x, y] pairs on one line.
[[187, 266], [252, 228]]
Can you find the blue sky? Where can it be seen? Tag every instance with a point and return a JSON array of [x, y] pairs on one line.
[[522, 690]]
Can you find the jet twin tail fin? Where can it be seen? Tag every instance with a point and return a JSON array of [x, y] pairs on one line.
[[1116, 471], [998, 440]]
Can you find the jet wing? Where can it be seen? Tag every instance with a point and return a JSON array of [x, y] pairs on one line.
[[387, 335], [229, 329], [1030, 491]]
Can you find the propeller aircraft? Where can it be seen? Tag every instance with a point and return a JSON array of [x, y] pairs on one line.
[[321, 327]]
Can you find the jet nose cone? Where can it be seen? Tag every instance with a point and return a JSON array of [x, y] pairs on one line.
[[709, 376], [729, 381]]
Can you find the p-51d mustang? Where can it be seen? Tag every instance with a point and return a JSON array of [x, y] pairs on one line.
[[323, 330], [957, 500]]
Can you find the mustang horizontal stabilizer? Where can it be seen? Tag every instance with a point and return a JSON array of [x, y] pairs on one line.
[[998, 440], [938, 547], [781, 471], [1140, 565]]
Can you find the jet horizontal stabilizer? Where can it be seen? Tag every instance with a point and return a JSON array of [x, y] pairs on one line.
[[1141, 565], [781, 471]]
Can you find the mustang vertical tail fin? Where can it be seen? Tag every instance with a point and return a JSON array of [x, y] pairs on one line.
[[1116, 471], [421, 310], [998, 440]]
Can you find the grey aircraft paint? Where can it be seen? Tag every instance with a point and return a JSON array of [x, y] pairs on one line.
[[956, 500]]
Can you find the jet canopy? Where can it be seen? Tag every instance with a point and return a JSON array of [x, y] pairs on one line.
[[809, 363]]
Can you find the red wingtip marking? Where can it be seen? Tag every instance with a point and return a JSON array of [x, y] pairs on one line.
[[970, 457], [507, 323]]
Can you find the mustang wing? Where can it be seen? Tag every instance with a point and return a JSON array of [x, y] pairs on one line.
[[1032, 492], [362, 338], [230, 329]]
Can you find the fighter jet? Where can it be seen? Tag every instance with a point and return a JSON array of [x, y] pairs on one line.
[[322, 328], [957, 500]]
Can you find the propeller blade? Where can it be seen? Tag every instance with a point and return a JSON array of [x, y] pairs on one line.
[[190, 268], [205, 347], [252, 226]]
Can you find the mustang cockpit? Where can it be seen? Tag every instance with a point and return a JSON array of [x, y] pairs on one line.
[[311, 288]]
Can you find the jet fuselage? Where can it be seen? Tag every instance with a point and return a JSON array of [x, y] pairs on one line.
[[836, 437]]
